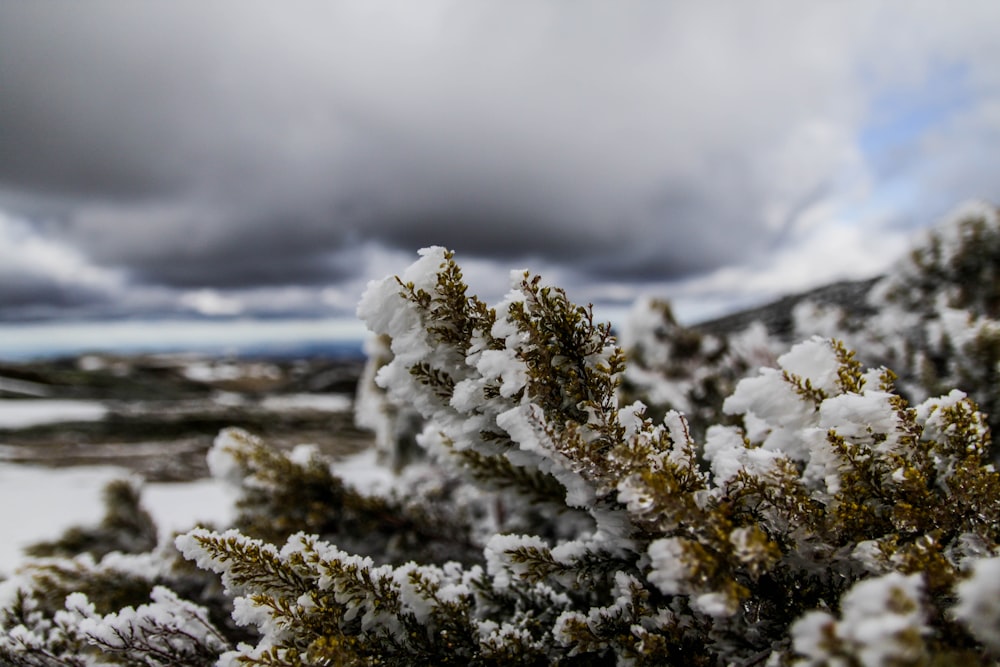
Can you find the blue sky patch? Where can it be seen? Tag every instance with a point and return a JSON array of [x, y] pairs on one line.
[[900, 117]]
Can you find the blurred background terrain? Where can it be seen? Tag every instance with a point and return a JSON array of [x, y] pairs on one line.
[[158, 414]]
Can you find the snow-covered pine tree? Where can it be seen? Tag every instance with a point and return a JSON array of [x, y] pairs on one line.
[[832, 523]]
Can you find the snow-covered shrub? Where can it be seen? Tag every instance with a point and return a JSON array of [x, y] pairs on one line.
[[395, 426], [940, 310], [935, 317], [883, 624], [829, 522], [282, 493], [832, 494], [673, 367], [979, 602], [122, 609], [53, 609]]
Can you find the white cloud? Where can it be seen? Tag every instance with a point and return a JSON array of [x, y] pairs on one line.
[[29, 258], [819, 254], [210, 302]]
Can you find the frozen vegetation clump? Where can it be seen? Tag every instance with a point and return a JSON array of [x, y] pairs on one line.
[[674, 367], [934, 319], [815, 516], [937, 313]]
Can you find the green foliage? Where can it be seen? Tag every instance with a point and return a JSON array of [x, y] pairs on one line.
[[573, 364], [963, 258]]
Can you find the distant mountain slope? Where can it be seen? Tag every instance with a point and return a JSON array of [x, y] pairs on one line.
[[777, 316]]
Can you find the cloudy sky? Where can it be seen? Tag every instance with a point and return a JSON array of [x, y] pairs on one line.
[[258, 158]]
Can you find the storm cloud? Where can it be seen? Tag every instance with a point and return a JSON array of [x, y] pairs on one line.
[[254, 148]]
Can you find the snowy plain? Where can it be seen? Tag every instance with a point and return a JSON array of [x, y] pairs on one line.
[[38, 503]]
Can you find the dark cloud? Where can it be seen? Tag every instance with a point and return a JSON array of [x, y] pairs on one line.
[[231, 270], [27, 295], [236, 145], [185, 247]]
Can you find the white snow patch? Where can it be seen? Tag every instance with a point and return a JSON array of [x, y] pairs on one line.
[[50, 500], [317, 402], [23, 387], [815, 360], [216, 371], [179, 506], [363, 473], [15, 413], [669, 572], [979, 602]]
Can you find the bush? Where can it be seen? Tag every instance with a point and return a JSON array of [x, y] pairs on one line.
[[830, 523]]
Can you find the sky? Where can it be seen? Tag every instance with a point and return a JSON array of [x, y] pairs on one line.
[[258, 159]]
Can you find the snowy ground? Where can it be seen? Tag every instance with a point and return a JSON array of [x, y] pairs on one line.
[[22, 414], [39, 503]]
